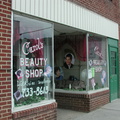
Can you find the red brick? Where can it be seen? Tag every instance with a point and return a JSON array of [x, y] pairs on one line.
[[6, 114], [2, 79], [87, 104], [9, 8], [3, 87], [3, 62], [6, 91], [6, 106], [5, 42], [6, 51], [3, 111], [6, 83], [8, 47], [3, 7], [2, 103], [9, 31], [8, 55], [1, 2], [3, 39], [3, 23], [6, 99], [5, 67], [2, 47], [1, 118], [6, 27], [2, 30], [9, 24], [6, 3], [6, 35], [2, 54], [6, 74], [9, 110], [8, 79], [2, 15], [1, 10], [9, 102], [8, 63], [10, 117], [7, 20], [6, 59], [6, 11]]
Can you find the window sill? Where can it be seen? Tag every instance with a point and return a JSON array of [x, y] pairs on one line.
[[81, 92], [26, 107]]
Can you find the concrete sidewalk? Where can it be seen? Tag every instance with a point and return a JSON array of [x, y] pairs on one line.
[[111, 111]]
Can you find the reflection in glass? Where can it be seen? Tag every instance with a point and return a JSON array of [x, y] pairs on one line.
[[32, 61], [97, 61]]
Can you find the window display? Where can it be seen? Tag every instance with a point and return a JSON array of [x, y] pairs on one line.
[[70, 61], [32, 61], [97, 73], [78, 73]]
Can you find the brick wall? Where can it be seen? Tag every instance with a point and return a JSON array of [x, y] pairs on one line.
[[5, 60], [46, 112], [82, 102]]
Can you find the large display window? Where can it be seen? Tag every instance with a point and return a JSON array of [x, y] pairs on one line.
[[80, 62], [32, 61]]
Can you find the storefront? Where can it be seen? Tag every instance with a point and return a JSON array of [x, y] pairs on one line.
[[81, 71], [33, 78], [59, 60]]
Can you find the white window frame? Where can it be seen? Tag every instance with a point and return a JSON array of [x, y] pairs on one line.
[[33, 105]]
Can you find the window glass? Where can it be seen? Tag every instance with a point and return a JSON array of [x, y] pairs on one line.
[[70, 62], [114, 62], [97, 73], [32, 61]]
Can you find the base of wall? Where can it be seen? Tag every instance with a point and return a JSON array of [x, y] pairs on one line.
[[82, 102], [46, 112]]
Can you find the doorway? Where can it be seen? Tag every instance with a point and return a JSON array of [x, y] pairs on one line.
[[113, 69]]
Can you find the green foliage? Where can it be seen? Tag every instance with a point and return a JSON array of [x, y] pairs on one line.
[[29, 100]]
